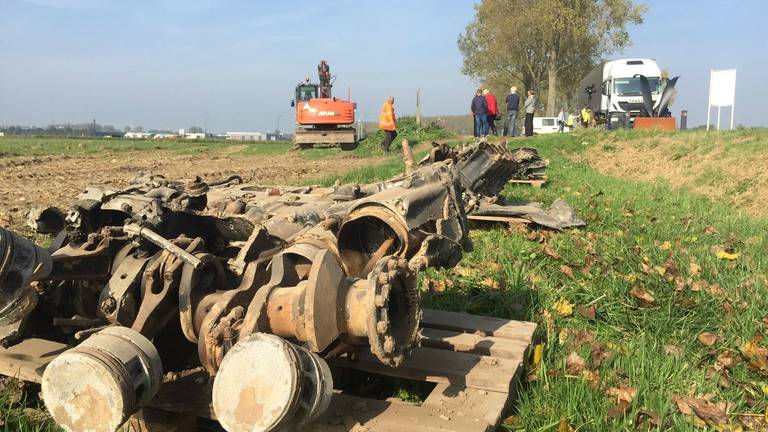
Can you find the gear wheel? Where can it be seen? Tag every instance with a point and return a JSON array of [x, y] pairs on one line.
[[394, 322]]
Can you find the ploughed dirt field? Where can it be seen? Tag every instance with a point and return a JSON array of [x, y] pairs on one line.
[[34, 181]]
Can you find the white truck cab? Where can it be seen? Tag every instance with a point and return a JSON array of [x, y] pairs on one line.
[[614, 87]]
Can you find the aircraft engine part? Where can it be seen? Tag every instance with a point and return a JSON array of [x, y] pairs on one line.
[[97, 385], [256, 285], [21, 262], [310, 300], [269, 384]]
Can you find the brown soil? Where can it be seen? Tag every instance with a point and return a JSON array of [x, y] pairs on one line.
[[737, 178], [28, 182]]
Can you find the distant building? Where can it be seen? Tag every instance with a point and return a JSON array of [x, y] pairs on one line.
[[137, 135], [194, 136], [2, 134], [246, 136], [158, 136], [275, 136]]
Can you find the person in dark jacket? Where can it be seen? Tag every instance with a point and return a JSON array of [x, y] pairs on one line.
[[513, 104], [480, 112], [530, 109]]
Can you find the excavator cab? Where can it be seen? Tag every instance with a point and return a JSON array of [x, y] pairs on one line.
[[305, 92]]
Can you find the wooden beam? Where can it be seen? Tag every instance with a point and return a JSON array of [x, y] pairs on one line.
[[461, 322]]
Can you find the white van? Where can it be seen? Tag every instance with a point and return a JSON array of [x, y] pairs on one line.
[[546, 125]]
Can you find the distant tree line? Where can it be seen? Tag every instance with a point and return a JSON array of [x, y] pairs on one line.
[[544, 45], [74, 130]]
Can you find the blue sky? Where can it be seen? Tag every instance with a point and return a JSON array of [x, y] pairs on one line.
[[172, 64]]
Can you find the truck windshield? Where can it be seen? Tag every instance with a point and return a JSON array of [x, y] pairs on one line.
[[631, 86], [306, 92]]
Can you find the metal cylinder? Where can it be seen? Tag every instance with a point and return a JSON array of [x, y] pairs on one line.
[[368, 234], [21, 262], [266, 383], [683, 119], [97, 385]]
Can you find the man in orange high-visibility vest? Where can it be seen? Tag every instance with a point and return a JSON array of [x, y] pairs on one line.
[[387, 123]]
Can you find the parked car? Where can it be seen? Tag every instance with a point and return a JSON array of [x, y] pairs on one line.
[[546, 125]]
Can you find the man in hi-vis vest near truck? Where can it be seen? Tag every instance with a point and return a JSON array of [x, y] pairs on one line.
[[387, 123]]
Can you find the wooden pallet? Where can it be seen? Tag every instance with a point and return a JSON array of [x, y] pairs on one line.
[[537, 183], [476, 363]]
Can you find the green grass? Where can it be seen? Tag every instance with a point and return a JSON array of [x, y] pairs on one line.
[[630, 224], [12, 146]]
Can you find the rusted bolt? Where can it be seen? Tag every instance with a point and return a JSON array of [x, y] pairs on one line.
[[381, 327], [108, 305]]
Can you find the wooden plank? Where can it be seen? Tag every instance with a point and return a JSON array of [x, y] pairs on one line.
[[500, 328], [537, 183], [440, 366], [468, 402], [354, 414], [27, 360], [476, 344], [499, 219], [191, 394]]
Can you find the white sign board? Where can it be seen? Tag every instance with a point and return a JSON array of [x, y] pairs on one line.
[[722, 92], [722, 87]]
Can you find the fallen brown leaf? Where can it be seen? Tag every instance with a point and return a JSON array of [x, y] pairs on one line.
[[756, 355], [592, 378], [726, 360], [588, 312], [622, 393], [673, 351], [643, 295], [647, 419], [493, 266], [574, 363], [645, 268], [618, 411], [707, 338], [599, 354], [493, 283], [708, 412], [566, 270], [434, 285], [699, 285], [548, 251], [694, 269]]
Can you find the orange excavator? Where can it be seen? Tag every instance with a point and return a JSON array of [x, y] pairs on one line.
[[323, 120]]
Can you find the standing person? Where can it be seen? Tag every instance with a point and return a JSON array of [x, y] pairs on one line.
[[387, 123], [570, 122], [480, 111], [530, 109], [562, 120], [510, 121], [586, 115], [493, 110]]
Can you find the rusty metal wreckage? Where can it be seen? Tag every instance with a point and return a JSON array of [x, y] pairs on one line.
[[257, 285]]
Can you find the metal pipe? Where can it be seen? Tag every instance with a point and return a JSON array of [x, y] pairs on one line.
[[161, 242]]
